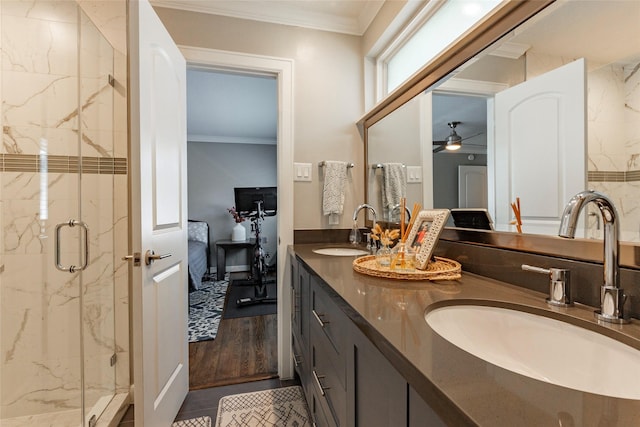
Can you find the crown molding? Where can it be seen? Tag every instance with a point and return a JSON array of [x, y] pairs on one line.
[[282, 12]]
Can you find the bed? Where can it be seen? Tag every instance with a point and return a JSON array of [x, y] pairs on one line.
[[198, 252]]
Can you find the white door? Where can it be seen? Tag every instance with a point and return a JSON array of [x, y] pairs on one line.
[[472, 186], [159, 218], [540, 147]]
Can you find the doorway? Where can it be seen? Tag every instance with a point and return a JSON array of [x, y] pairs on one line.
[[232, 149], [282, 70]]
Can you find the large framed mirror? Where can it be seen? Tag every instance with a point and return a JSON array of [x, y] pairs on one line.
[[547, 108]]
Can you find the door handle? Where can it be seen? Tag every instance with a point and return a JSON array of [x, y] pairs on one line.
[[84, 261], [151, 256]]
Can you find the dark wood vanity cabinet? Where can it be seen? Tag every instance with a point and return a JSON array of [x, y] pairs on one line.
[[347, 381]]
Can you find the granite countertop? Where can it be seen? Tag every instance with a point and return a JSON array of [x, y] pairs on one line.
[[462, 388]]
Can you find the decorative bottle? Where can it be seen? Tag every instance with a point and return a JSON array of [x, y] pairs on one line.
[[403, 258]]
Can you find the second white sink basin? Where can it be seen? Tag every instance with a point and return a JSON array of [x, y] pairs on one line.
[[541, 348], [341, 251]]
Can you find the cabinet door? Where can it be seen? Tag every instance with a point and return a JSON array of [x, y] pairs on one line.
[[379, 393]]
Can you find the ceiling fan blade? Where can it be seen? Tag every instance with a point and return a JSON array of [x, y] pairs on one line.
[[472, 136], [439, 148], [439, 142]]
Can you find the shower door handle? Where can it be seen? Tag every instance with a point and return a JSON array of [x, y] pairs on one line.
[[84, 261]]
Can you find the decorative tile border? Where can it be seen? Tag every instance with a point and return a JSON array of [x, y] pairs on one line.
[[63, 164], [613, 176]]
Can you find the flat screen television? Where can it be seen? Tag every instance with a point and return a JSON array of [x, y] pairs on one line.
[[246, 198], [472, 218]]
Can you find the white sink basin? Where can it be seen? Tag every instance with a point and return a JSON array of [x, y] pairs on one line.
[[340, 251], [541, 348]]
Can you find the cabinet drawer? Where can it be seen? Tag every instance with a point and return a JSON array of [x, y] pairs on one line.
[[328, 317], [328, 380]]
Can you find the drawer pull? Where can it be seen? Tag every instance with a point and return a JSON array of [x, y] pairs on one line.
[[318, 378], [319, 318]]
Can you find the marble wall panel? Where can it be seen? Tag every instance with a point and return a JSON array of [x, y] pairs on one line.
[[56, 11], [24, 37], [120, 117], [605, 118], [632, 113]]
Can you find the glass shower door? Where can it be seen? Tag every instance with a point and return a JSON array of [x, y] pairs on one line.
[[56, 320], [41, 376], [96, 87]]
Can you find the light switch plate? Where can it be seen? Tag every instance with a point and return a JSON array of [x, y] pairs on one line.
[[414, 174], [302, 172]]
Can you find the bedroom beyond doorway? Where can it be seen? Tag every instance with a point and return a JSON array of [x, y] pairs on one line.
[[232, 142]]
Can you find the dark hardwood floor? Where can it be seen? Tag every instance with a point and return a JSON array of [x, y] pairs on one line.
[[244, 350], [242, 358]]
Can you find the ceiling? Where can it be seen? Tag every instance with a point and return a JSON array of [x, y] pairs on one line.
[[470, 111], [341, 16], [231, 108]]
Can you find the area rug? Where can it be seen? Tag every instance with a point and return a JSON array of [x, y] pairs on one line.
[[282, 407], [244, 289], [205, 310], [193, 422]]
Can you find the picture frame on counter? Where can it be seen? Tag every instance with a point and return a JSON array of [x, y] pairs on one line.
[[424, 234]]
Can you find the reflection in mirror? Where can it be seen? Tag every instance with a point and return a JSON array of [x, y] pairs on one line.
[[531, 152], [396, 140]]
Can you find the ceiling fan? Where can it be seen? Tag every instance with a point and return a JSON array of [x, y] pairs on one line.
[[453, 141]]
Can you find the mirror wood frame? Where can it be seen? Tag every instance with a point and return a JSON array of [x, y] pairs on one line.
[[505, 19]]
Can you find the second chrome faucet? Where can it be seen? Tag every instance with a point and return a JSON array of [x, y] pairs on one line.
[[612, 297]]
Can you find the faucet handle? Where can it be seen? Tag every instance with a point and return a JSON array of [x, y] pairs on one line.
[[559, 284]]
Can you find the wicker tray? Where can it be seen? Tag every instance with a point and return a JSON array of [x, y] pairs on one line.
[[441, 269]]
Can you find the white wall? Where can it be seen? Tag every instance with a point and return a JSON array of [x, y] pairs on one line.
[[213, 172], [327, 95]]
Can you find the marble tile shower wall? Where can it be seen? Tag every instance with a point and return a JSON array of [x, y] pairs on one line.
[[79, 121]]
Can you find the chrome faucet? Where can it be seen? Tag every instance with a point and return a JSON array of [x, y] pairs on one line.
[[354, 237], [365, 206], [612, 298], [397, 208]]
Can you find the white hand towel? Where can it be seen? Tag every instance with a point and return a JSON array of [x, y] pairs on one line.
[[335, 178], [394, 183]]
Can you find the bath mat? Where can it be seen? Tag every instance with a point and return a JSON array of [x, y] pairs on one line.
[[205, 310], [281, 407], [193, 422]]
